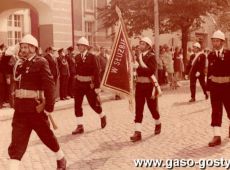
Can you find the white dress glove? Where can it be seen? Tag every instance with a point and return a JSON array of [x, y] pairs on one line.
[[97, 91], [47, 113], [135, 65], [197, 74], [186, 77]]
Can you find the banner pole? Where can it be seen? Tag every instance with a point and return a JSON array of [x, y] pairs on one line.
[[131, 99]]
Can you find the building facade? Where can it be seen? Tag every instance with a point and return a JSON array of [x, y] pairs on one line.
[[57, 23]]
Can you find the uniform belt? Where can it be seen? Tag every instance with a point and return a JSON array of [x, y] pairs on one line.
[[31, 94], [83, 78], [219, 79], [143, 80]]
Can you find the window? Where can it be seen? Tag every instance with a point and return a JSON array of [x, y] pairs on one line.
[[10, 38], [88, 27], [17, 36], [89, 31], [89, 5], [10, 21], [15, 28], [17, 20]]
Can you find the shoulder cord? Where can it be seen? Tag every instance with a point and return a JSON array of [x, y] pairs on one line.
[[18, 63]]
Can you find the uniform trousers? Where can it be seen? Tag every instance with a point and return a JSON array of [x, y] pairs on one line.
[[83, 89], [23, 124], [219, 95], [144, 93], [64, 79], [193, 80]]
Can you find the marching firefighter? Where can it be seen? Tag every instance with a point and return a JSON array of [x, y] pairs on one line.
[[146, 67], [218, 84], [87, 82], [34, 101], [196, 70]]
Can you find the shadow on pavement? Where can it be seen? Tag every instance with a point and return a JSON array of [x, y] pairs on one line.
[[201, 152], [197, 111], [187, 103], [116, 146], [63, 139], [88, 164], [69, 137]]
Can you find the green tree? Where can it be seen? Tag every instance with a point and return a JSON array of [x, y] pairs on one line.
[[138, 15]]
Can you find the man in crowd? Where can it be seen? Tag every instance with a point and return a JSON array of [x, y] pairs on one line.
[[64, 74], [72, 70], [102, 61], [53, 65]]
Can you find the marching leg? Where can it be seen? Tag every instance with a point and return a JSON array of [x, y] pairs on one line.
[[80, 127], [137, 133], [139, 102], [95, 104], [216, 139], [61, 161], [78, 100], [217, 111], [153, 107], [193, 88]]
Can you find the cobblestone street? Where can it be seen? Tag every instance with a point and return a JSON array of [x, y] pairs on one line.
[[185, 134]]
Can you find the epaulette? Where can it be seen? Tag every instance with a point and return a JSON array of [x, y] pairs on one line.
[[38, 59], [212, 53], [151, 53]]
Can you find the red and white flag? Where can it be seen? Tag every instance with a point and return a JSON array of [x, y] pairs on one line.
[[118, 75]]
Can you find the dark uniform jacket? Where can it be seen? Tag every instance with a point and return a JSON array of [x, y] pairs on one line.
[[63, 66], [150, 61], [35, 75], [53, 65], [7, 64], [218, 66], [88, 67], [198, 66]]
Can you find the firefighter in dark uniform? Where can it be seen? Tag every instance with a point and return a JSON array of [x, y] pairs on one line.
[[196, 70], [218, 84], [34, 101], [87, 83], [146, 66]]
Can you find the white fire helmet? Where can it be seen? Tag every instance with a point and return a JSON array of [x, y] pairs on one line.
[[147, 40], [219, 35], [29, 39], [197, 45], [12, 50], [83, 41]]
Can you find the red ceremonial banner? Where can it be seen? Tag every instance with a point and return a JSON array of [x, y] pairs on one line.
[[118, 75]]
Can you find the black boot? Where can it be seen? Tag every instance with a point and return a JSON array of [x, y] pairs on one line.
[[103, 122], [215, 141], [61, 164], [157, 129], [78, 130], [192, 100], [136, 136]]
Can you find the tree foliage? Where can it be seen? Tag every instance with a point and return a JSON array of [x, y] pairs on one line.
[[184, 15]]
